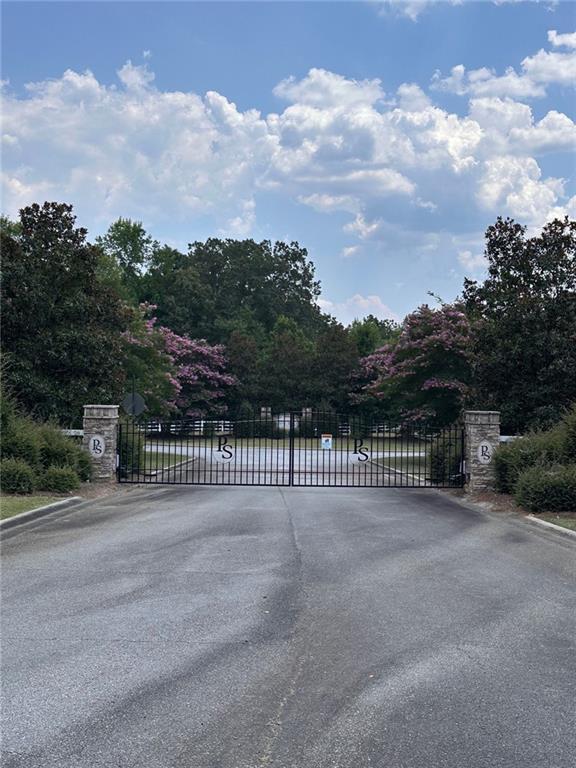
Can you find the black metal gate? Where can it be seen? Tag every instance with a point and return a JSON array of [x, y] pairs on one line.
[[317, 449]]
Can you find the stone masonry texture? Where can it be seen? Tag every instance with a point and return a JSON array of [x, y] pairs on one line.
[[101, 420], [480, 427]]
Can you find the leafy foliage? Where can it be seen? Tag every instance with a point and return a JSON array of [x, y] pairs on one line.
[[37, 446], [131, 457], [16, 476], [59, 480], [547, 489], [524, 324], [370, 334], [220, 285], [424, 375], [127, 245], [545, 449], [61, 325]]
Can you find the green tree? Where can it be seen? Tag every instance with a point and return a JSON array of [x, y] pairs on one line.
[[9, 227], [127, 245], [335, 359], [61, 333], [370, 333], [524, 324], [204, 292], [286, 381], [424, 374]]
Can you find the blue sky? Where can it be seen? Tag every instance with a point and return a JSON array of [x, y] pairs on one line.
[[384, 137]]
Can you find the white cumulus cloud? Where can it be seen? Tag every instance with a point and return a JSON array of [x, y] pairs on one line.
[[537, 72], [357, 307]]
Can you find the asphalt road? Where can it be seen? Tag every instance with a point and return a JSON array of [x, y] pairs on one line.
[[293, 628]]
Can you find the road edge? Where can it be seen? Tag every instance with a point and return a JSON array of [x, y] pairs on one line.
[[552, 526], [33, 514], [531, 520]]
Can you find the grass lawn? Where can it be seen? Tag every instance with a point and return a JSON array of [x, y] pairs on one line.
[[14, 505], [413, 465], [158, 460], [567, 520]]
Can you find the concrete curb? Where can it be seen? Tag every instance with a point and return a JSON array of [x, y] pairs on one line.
[[32, 514], [552, 526], [532, 520]]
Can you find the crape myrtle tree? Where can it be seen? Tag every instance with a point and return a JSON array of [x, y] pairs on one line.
[[62, 325], [175, 374], [424, 375], [523, 320], [201, 376]]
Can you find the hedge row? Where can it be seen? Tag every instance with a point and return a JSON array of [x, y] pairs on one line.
[[38, 456], [539, 469]]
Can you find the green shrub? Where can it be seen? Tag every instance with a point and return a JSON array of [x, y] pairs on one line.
[[16, 476], [538, 448], [547, 489], [83, 465], [59, 480], [267, 427], [319, 423], [569, 428], [20, 441], [7, 411], [244, 421], [56, 450], [445, 460], [131, 455]]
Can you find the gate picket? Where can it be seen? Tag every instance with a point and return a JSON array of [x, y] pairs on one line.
[[318, 450]]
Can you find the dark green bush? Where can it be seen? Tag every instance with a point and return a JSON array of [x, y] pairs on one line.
[[56, 450], [131, 455], [244, 421], [569, 427], [59, 480], [267, 427], [324, 422], [538, 448], [21, 441], [16, 476], [83, 465], [445, 460], [547, 489], [7, 411]]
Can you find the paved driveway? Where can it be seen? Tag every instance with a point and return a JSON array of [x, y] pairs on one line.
[[294, 628]]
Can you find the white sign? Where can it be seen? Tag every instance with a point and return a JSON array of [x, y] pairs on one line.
[[361, 453], [97, 446], [224, 453], [326, 442], [484, 452]]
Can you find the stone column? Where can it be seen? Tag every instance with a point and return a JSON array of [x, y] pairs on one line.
[[482, 437], [100, 431]]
